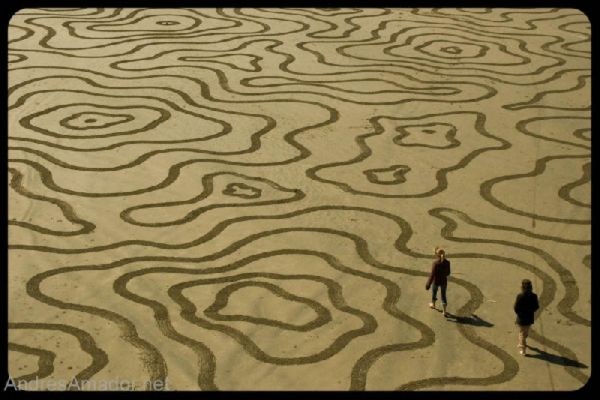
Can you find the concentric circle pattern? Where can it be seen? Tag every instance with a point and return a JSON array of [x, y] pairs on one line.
[[88, 120], [248, 198]]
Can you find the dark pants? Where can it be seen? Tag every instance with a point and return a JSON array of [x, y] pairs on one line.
[[434, 293]]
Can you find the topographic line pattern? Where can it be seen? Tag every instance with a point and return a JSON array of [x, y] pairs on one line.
[[248, 198]]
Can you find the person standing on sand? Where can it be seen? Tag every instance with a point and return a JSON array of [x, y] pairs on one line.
[[439, 278], [525, 305]]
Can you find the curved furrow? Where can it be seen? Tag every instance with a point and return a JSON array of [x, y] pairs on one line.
[[571, 296], [150, 356], [540, 167], [440, 174], [246, 198], [45, 361], [86, 342], [362, 248], [16, 183]]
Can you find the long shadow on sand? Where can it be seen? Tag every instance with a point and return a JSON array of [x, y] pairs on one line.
[[555, 359], [468, 320]]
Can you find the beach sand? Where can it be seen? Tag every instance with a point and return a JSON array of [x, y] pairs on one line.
[[248, 199]]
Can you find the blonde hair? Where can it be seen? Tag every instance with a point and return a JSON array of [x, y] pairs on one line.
[[440, 252]]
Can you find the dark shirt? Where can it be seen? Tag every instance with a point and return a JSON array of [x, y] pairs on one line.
[[439, 272], [525, 305]]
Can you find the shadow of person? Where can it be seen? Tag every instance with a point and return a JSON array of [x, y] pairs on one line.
[[553, 358], [471, 320]]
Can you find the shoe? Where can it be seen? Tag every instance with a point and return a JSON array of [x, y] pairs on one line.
[[432, 305], [445, 314], [522, 352]]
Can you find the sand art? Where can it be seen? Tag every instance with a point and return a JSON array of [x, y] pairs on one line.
[[248, 199]]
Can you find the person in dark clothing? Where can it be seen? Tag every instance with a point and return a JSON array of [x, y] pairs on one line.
[[439, 278], [525, 305]]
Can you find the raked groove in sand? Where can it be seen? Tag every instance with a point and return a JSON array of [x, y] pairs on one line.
[[248, 199]]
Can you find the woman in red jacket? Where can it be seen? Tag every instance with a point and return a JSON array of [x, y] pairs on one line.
[[439, 277]]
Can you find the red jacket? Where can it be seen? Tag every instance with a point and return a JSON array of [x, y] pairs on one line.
[[439, 272]]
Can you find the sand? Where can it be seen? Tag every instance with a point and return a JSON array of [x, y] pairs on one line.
[[248, 199]]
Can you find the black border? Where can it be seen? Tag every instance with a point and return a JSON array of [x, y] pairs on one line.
[[10, 8]]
